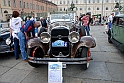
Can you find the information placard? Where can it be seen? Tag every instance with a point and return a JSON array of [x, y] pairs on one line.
[[55, 72]]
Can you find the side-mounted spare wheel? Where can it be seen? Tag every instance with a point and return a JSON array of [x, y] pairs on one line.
[[84, 54], [35, 52]]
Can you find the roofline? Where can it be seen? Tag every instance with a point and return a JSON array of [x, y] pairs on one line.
[[47, 2]]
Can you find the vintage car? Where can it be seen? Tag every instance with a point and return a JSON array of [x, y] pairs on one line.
[[62, 43], [116, 33], [5, 42]]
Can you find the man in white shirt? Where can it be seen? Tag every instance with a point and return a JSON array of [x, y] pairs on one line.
[[110, 19], [33, 18]]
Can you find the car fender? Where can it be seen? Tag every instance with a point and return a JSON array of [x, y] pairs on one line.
[[36, 42], [86, 41]]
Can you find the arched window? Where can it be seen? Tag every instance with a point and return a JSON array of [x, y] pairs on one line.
[[63, 2], [76, 1], [106, 8], [80, 8], [97, 8], [115, 0], [76, 8], [60, 2], [89, 8], [89, 1], [97, 1], [68, 2], [60, 9]]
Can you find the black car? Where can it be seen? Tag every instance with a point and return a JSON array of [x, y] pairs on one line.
[[5, 42]]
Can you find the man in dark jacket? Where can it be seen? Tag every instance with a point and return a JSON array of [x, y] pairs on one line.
[[44, 22]]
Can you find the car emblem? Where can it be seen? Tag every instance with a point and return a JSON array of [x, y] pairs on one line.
[[59, 36]]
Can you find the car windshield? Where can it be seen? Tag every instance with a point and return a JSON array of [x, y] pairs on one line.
[[60, 16]]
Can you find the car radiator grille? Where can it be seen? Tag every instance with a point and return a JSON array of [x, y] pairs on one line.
[[60, 34]]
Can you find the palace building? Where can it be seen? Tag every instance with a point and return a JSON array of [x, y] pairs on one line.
[[104, 7], [26, 8]]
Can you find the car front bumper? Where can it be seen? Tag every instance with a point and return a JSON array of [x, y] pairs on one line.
[[63, 60]]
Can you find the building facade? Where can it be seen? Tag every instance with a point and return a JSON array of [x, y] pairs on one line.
[[104, 7], [5, 9], [27, 7]]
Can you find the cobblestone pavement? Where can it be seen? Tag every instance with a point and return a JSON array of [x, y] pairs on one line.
[[107, 66]]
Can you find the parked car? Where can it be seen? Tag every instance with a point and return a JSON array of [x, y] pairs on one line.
[[62, 43], [116, 33], [5, 42]]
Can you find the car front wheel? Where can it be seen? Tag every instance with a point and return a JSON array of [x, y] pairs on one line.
[[84, 54], [34, 52]]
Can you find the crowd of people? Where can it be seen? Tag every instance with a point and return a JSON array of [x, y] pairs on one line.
[[87, 20]]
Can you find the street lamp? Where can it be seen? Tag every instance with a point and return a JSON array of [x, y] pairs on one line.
[[86, 6], [102, 12]]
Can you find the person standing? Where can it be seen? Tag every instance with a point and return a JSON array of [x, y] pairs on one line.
[[33, 17], [80, 21], [110, 19], [28, 27], [15, 24], [85, 20], [90, 21], [44, 22]]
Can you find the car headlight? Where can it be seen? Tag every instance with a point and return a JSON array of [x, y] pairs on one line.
[[74, 37], [8, 41], [45, 37]]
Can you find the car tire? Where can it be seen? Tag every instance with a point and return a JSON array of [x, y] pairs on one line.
[[29, 52], [109, 36], [84, 54], [83, 32]]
